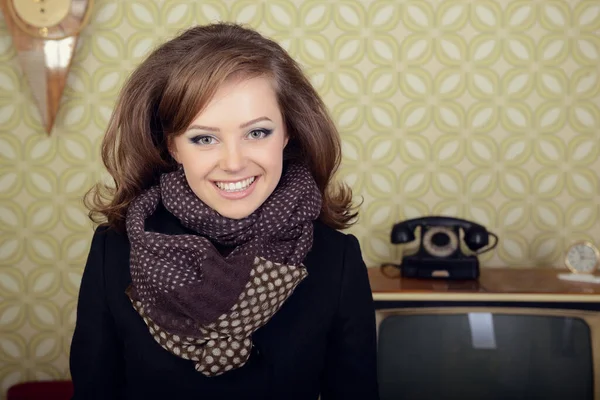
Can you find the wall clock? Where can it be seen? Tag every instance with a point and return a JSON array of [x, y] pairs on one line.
[[45, 34]]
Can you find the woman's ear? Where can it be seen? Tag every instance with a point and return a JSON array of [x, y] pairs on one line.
[[173, 149], [286, 139]]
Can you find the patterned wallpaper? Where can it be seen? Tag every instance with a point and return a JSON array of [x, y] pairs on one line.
[[482, 109]]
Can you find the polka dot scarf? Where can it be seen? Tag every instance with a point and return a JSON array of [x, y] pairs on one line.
[[200, 305]]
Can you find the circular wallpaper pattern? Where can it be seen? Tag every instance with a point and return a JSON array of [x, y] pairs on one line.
[[487, 110]]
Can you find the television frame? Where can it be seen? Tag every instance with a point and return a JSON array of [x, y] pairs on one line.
[[385, 309]]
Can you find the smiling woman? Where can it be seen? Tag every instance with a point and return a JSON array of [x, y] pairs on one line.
[[219, 270]]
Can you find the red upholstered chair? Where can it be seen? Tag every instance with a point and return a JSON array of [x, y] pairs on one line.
[[46, 390]]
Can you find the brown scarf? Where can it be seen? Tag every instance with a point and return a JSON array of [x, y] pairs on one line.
[[200, 305]]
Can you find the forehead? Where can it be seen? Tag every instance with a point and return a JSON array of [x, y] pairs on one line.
[[241, 99]]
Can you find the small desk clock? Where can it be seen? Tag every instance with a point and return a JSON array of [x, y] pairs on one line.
[[582, 258]]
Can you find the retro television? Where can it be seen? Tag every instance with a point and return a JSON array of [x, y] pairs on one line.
[[512, 334]]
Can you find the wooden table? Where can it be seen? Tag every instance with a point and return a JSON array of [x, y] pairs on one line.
[[494, 284]]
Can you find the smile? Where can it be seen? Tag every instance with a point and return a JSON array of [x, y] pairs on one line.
[[239, 186]]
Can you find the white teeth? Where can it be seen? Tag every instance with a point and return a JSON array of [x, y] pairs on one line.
[[235, 186]]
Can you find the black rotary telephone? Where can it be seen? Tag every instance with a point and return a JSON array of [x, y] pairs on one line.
[[439, 254]]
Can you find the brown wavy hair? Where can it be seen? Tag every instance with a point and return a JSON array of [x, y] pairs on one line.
[[176, 81]]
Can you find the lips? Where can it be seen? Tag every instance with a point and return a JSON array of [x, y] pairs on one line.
[[236, 186]]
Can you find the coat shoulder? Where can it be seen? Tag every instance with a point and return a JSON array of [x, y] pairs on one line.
[[331, 244], [328, 236], [111, 237], [114, 247]]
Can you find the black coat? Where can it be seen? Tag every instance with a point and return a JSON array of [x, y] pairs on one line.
[[322, 340]]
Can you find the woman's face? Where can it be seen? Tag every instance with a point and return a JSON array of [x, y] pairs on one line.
[[232, 153]]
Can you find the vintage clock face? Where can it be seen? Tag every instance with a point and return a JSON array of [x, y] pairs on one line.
[[42, 13], [45, 34], [49, 19], [582, 258]]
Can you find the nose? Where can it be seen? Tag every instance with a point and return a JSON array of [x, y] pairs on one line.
[[233, 158]]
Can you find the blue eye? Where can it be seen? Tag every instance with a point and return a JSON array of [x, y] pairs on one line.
[[203, 140], [259, 133]]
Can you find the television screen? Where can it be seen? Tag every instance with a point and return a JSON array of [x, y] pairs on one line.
[[485, 356]]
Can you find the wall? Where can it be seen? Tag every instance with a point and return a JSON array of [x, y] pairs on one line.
[[488, 110]]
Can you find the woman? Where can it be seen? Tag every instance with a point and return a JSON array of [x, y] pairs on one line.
[[221, 273]]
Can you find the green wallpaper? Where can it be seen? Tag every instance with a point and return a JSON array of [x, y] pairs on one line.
[[487, 110]]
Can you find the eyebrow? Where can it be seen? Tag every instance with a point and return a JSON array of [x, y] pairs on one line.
[[242, 126]]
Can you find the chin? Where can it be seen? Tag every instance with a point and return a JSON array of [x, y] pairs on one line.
[[235, 214], [235, 209]]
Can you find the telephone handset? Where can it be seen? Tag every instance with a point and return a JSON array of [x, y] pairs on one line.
[[440, 254]]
